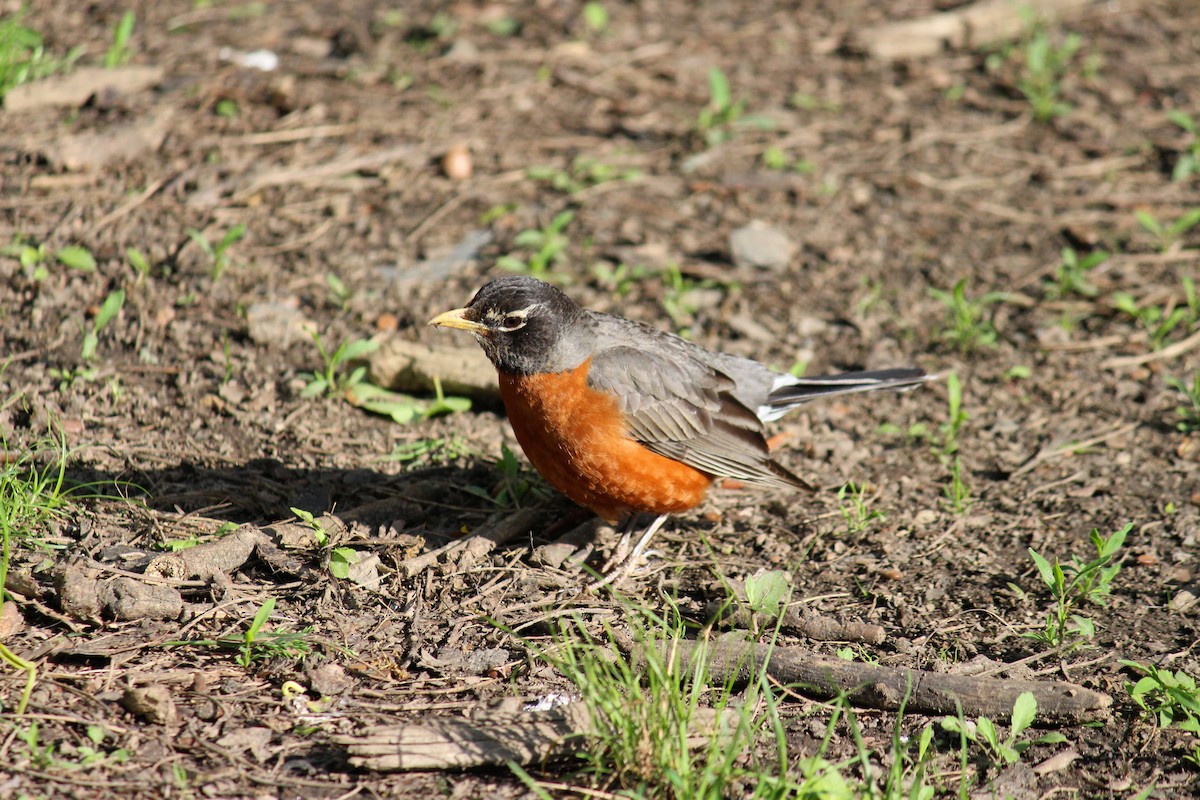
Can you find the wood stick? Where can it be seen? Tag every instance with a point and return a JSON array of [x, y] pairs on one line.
[[886, 688], [973, 25], [530, 738]]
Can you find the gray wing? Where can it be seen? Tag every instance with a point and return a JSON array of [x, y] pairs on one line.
[[678, 406]]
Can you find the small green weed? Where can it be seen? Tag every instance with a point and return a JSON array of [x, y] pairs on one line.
[[956, 493], [109, 309], [778, 160], [1167, 234], [332, 378], [595, 16], [1189, 413], [338, 291], [1071, 275], [722, 115], [429, 451], [1160, 321], [1167, 698], [620, 278], [35, 260], [1073, 584], [139, 262], [23, 57], [583, 173], [681, 299], [548, 247], [1007, 751], [767, 594], [715, 120], [855, 507], [956, 417], [513, 487], [254, 645], [1044, 65], [119, 51], [647, 706], [320, 532], [968, 327], [402, 408], [1188, 163], [217, 254]]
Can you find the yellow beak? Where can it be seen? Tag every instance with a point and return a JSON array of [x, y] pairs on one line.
[[457, 319]]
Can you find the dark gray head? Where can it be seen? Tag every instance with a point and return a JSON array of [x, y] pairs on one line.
[[524, 325]]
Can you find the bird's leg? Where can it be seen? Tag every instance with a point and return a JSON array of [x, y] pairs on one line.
[[619, 568]]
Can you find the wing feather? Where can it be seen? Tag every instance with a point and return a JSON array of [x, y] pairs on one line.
[[684, 409]]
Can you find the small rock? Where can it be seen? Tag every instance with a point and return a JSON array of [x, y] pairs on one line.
[[78, 592], [925, 517], [151, 703], [761, 245], [330, 679], [127, 599], [277, 323], [456, 162], [1183, 601], [11, 620]]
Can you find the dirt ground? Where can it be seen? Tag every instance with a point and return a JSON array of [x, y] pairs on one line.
[[890, 178]]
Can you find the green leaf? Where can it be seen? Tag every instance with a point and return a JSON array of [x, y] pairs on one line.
[[718, 89], [358, 348], [1182, 120], [340, 559], [110, 308], [1043, 567], [595, 16], [1024, 710], [765, 592], [79, 258], [987, 732], [1149, 222], [260, 619], [88, 351]]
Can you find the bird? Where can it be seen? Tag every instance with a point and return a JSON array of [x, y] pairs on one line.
[[626, 419]]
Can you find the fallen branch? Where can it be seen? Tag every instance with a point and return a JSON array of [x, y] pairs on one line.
[[974, 25], [815, 627], [886, 688], [531, 738]]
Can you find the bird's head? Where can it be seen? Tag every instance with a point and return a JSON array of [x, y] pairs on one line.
[[524, 325]]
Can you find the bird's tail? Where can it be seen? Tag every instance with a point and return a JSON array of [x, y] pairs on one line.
[[797, 391]]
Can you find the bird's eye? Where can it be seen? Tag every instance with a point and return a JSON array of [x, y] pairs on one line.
[[512, 322]]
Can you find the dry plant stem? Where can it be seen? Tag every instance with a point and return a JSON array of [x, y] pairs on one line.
[[886, 688], [1067, 449], [531, 738], [1177, 349]]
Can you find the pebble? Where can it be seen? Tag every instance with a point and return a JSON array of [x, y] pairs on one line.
[[1182, 601], [277, 323], [761, 245], [456, 162]]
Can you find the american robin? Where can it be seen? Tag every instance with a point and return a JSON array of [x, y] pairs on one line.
[[623, 418]]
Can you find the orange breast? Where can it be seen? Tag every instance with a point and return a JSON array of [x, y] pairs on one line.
[[577, 440]]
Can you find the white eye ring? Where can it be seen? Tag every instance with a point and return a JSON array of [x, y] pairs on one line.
[[512, 322]]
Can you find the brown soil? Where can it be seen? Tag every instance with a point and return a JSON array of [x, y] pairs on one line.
[[913, 176]]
